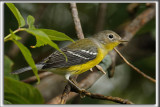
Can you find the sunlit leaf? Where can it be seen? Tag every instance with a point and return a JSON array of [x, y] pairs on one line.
[[17, 14], [17, 92], [30, 22], [39, 43], [43, 39], [28, 57], [55, 35]]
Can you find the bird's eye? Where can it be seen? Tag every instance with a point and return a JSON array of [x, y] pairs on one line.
[[110, 36]]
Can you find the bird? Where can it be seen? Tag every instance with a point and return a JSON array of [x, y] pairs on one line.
[[82, 55]]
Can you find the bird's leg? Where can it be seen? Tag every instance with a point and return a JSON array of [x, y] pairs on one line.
[[74, 85], [72, 82]]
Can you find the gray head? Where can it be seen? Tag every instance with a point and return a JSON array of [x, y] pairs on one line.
[[107, 36]]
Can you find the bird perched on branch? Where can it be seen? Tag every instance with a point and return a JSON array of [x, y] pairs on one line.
[[81, 55]]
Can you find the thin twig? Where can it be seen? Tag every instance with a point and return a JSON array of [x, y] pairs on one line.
[[76, 21], [34, 78], [136, 69], [102, 97]]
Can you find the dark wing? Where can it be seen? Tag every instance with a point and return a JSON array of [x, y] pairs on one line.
[[75, 57]]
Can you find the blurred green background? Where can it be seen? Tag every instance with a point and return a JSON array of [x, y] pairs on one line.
[[140, 51]]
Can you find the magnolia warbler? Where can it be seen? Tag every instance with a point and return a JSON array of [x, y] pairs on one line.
[[82, 55]]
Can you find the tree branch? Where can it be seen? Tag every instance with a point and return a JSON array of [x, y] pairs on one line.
[[76, 21], [65, 94]]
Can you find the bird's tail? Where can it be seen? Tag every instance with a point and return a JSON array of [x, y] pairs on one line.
[[39, 67]]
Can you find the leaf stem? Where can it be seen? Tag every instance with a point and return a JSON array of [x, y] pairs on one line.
[[9, 35]]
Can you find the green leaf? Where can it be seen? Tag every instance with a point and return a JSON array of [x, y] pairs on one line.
[[30, 21], [17, 14], [17, 92], [43, 39], [28, 57], [55, 35], [7, 68]]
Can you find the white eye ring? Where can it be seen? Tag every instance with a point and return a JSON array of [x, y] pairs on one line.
[[110, 36]]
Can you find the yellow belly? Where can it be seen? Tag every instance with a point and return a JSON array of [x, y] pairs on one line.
[[78, 69]]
